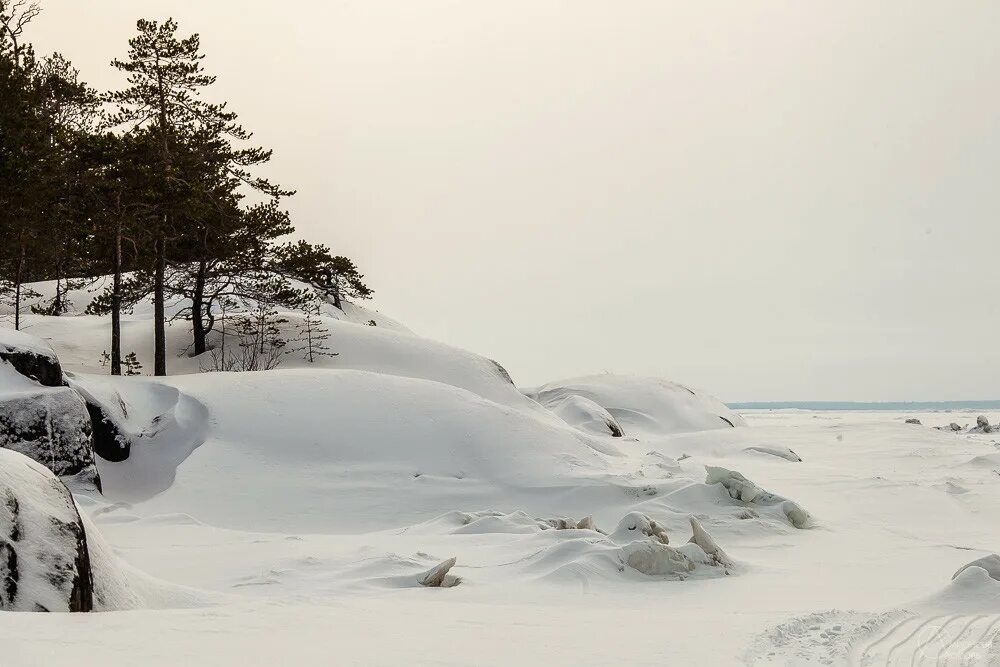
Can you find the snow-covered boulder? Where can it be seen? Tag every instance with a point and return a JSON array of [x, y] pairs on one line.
[[50, 425], [44, 560], [584, 414], [109, 416], [645, 549], [780, 452], [989, 563], [636, 525], [31, 357], [982, 425], [644, 406], [740, 488]]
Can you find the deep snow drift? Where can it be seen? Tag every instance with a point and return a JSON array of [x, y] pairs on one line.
[[408, 490]]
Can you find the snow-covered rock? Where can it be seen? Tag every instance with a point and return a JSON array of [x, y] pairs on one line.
[[644, 406], [635, 525], [584, 414], [438, 577], [982, 425], [740, 488], [50, 425], [989, 563], [645, 548], [31, 357], [708, 544], [780, 452], [44, 560]]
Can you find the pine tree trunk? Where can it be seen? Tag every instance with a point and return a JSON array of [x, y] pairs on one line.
[[17, 289], [197, 307], [159, 316], [116, 306]]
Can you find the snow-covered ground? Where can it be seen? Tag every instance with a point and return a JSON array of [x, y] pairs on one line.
[[287, 517]]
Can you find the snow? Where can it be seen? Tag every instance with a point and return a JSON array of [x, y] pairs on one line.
[[290, 516], [14, 341], [644, 406]]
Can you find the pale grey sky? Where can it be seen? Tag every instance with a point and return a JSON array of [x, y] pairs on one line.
[[767, 200]]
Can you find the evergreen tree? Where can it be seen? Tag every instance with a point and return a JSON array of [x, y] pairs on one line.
[[335, 277], [312, 335]]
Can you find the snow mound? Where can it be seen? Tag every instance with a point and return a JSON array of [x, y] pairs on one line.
[[740, 488], [320, 446], [644, 406]]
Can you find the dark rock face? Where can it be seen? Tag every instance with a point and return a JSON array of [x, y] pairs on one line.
[[109, 441], [43, 369], [44, 559], [51, 426]]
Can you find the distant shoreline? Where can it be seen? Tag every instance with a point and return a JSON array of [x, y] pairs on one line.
[[861, 405]]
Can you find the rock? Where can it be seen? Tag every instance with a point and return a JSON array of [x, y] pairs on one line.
[[584, 414], [31, 357], [989, 563], [954, 427], [110, 443], [50, 425], [913, 420], [657, 559], [780, 452], [635, 525], [701, 537], [983, 424], [740, 488], [587, 523], [44, 558], [438, 577]]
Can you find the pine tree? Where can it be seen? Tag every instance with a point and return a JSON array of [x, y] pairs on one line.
[[312, 335], [336, 277], [200, 165]]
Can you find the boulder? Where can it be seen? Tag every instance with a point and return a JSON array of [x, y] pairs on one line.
[[989, 563], [31, 357], [983, 424], [740, 488], [584, 414], [44, 558], [438, 577], [50, 425], [110, 442], [636, 525], [913, 420]]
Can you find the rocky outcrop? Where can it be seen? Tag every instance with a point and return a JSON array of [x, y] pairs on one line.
[[31, 357], [110, 443], [42, 419], [44, 559], [50, 425]]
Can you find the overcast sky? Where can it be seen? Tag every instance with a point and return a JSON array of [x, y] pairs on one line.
[[768, 200]]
